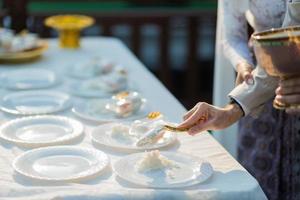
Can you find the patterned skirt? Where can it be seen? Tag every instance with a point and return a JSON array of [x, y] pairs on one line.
[[269, 148]]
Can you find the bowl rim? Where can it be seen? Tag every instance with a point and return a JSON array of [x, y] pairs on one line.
[[263, 35]]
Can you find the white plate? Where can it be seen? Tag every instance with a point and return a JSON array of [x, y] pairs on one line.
[[87, 69], [191, 171], [35, 102], [40, 131], [76, 90], [63, 163], [102, 135], [28, 79], [84, 111], [84, 90]]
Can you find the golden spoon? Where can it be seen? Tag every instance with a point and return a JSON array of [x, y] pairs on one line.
[[153, 135], [156, 114]]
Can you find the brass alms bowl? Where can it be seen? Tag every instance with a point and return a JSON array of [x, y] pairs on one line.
[[278, 52], [69, 27]]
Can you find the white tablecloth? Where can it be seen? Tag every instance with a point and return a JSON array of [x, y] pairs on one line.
[[229, 181]]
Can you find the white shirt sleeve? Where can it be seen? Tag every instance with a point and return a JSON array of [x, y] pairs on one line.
[[251, 97], [235, 32], [292, 17]]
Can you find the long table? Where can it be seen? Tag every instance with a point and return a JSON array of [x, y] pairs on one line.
[[229, 181]]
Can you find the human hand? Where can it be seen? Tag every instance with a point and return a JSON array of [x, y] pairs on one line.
[[288, 92], [244, 74], [207, 117]]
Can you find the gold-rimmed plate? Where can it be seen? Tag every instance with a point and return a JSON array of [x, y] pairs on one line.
[[26, 55]]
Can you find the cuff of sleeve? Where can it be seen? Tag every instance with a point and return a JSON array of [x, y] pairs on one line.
[[238, 98], [244, 108], [237, 103]]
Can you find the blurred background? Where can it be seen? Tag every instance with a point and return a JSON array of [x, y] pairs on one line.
[[175, 39]]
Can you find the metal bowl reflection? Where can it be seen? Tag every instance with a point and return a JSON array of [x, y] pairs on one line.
[[278, 51]]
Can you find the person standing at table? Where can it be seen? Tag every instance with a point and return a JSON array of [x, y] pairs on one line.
[[269, 143]]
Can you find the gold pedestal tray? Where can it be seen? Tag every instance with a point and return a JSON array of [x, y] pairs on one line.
[[69, 27]]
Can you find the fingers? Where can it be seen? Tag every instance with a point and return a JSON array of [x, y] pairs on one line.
[[190, 112], [293, 111], [244, 73], [239, 79], [290, 82], [247, 76], [201, 126], [199, 114], [208, 117], [288, 99], [287, 90], [244, 76], [289, 86], [278, 91]]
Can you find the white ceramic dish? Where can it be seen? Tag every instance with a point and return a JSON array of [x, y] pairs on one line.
[[100, 87], [62, 163], [81, 91], [102, 135], [90, 69], [40, 131], [85, 111], [191, 171], [35, 102], [28, 79]]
